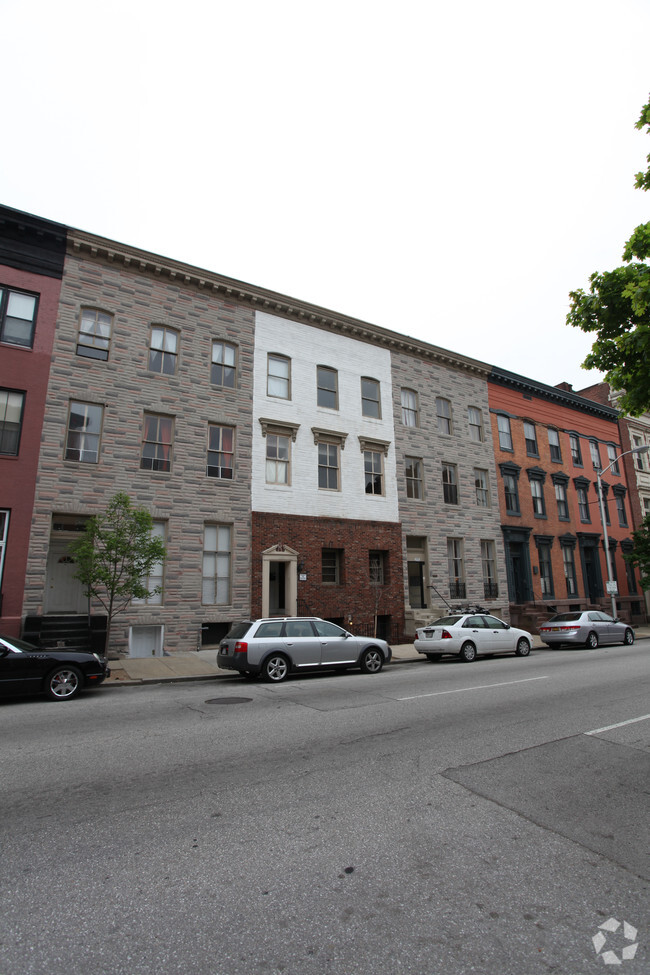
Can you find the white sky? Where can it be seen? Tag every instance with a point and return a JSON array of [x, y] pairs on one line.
[[449, 170]]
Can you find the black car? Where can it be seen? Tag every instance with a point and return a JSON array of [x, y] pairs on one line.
[[60, 673]]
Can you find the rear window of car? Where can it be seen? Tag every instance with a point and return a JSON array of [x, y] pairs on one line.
[[565, 618], [446, 621], [238, 630], [274, 628]]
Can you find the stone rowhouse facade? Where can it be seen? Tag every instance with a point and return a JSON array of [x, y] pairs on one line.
[[549, 501], [428, 521], [138, 291], [31, 264]]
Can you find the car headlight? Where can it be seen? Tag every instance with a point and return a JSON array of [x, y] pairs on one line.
[[100, 660]]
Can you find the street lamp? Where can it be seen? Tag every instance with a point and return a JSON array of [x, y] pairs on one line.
[[611, 584]]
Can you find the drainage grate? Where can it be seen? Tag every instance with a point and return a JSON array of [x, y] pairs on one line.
[[229, 700]]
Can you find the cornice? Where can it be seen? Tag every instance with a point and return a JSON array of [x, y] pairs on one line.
[[502, 377], [261, 299]]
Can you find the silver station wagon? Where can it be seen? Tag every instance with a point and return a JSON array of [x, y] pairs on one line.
[[274, 648]]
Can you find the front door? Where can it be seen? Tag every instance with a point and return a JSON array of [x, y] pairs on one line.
[[63, 593]]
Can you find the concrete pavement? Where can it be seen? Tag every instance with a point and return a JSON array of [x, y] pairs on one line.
[[202, 664]]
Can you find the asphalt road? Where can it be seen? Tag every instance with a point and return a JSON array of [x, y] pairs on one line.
[[435, 818]]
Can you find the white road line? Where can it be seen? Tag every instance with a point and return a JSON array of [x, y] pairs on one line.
[[621, 724], [479, 687]]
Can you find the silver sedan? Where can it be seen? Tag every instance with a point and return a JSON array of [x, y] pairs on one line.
[[587, 629], [468, 634]]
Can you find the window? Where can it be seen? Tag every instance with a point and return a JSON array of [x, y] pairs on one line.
[[619, 498], [531, 439], [223, 368], [562, 502], [455, 561], [450, 483], [505, 436], [278, 376], [554, 444], [481, 484], [84, 431], [511, 490], [328, 466], [155, 578], [327, 387], [595, 454], [94, 334], [17, 317], [443, 412], [583, 503], [157, 443], [488, 563], [370, 398], [613, 461], [476, 425], [576, 453], [545, 569], [638, 458], [646, 507], [331, 566], [217, 558], [163, 351], [4, 534], [12, 403], [221, 451], [377, 561], [569, 570], [537, 494], [373, 470], [414, 481], [410, 412], [277, 458]]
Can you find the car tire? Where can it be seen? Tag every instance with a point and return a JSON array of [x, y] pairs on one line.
[[434, 657], [629, 637], [372, 660], [467, 652], [64, 683], [592, 641], [275, 668], [523, 647]]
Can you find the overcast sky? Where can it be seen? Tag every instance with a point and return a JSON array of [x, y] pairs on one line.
[[447, 170]]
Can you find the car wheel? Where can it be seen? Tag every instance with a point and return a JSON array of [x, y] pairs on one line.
[[372, 660], [629, 637], [433, 657], [467, 652], [276, 668], [523, 647], [592, 641], [64, 683]]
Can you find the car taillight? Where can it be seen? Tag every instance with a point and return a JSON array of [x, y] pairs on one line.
[[570, 627], [445, 635], [241, 647]]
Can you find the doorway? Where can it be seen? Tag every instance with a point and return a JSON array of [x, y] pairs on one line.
[[63, 593], [279, 581]]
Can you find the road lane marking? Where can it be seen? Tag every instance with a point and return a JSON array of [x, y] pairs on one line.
[[479, 687], [621, 724]]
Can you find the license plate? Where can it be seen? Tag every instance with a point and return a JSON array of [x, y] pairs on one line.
[[224, 651]]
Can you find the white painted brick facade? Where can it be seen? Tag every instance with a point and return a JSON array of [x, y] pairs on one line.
[[308, 347]]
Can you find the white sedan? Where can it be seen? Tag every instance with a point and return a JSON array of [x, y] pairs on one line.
[[468, 634]]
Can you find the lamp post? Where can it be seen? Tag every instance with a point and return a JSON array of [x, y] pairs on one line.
[[611, 585]]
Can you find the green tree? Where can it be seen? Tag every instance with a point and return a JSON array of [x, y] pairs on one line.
[[115, 555], [617, 309], [640, 554]]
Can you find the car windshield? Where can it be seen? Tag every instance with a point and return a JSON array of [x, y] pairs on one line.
[[446, 621], [565, 618], [11, 643]]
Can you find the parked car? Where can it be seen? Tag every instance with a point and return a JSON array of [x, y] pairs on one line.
[[469, 634], [589, 628], [274, 648], [60, 673]]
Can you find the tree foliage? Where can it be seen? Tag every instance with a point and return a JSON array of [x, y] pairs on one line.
[[640, 554], [617, 309], [116, 554]]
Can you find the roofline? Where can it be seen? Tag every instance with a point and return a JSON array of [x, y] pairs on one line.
[[502, 377]]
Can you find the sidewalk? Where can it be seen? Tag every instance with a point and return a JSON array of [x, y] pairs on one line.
[[202, 664]]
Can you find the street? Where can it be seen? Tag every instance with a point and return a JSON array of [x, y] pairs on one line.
[[435, 818]]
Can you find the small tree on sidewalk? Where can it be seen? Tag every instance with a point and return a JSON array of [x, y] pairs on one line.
[[640, 554], [115, 556]]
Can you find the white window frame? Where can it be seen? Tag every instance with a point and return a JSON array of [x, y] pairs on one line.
[[217, 564], [89, 442]]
